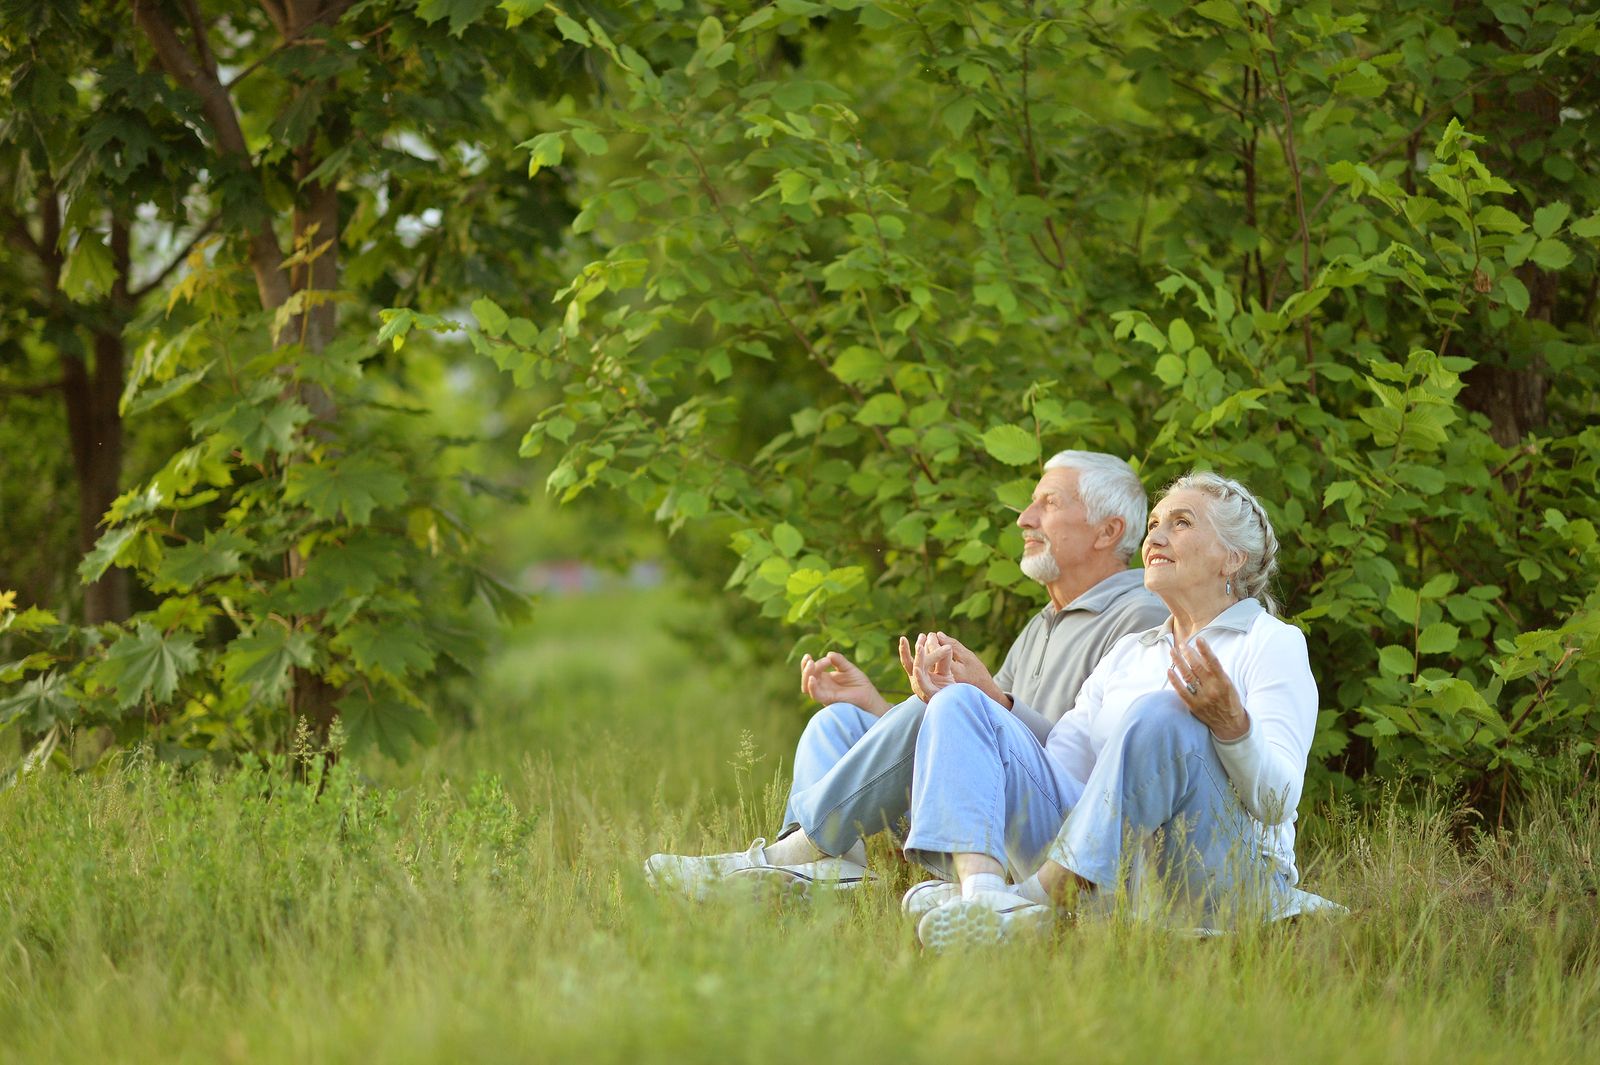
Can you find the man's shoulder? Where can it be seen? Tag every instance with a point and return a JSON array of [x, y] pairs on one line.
[[1137, 607]]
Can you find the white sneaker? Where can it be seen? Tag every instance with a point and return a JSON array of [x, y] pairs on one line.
[[797, 881], [694, 875], [698, 876], [980, 920], [926, 896]]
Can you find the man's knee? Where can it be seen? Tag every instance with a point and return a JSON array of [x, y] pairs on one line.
[[837, 719], [958, 703]]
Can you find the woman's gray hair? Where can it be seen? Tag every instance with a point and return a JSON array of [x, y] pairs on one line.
[[1243, 526], [1108, 488]]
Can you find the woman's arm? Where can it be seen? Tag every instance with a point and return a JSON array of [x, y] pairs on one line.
[[1268, 763]]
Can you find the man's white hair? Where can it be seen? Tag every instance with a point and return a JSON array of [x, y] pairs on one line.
[[1108, 488]]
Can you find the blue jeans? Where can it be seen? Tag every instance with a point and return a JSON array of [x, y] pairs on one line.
[[983, 784], [852, 774]]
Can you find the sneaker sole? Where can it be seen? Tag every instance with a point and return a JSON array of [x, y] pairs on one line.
[[775, 882], [955, 926], [919, 905]]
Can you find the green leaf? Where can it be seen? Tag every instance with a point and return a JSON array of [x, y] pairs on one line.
[[1515, 293], [1012, 445], [544, 150], [1397, 661], [787, 539], [462, 13], [710, 34], [218, 555], [572, 31], [1181, 335], [390, 647], [1551, 254], [40, 703], [958, 114], [106, 551], [89, 272], [147, 663], [490, 316], [384, 724], [1404, 603], [857, 365], [1439, 585], [1588, 228], [261, 661], [590, 141], [352, 486], [1548, 219], [1170, 369], [885, 408], [1440, 638]]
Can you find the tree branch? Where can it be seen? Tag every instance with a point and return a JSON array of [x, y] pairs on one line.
[[155, 282], [1293, 160], [265, 254], [40, 389]]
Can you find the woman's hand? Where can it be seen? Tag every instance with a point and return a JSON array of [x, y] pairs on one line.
[[1205, 689]]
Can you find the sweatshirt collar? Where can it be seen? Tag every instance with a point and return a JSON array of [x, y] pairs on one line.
[[1237, 618]]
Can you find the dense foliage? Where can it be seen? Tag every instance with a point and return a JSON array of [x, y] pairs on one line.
[[872, 261], [843, 274]]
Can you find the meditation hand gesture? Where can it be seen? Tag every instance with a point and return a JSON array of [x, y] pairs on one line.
[[833, 678], [954, 664], [1205, 689]]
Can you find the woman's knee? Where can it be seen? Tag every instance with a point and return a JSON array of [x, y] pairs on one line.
[[1159, 719]]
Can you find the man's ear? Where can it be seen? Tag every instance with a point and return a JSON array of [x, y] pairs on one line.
[[1110, 533]]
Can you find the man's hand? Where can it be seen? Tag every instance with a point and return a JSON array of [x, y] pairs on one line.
[[958, 665], [833, 678], [928, 666]]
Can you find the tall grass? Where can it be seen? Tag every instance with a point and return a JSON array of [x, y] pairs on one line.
[[484, 902]]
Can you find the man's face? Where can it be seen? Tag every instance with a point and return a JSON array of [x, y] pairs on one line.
[[1056, 534]]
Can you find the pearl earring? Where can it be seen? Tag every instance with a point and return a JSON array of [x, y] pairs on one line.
[[1227, 589]]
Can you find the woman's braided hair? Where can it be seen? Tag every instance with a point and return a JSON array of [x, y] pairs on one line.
[[1243, 526]]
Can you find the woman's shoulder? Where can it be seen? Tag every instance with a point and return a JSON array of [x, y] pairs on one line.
[[1275, 635]]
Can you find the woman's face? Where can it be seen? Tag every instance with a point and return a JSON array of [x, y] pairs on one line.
[[1182, 554]]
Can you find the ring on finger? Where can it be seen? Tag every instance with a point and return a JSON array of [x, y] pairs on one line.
[[1194, 689]]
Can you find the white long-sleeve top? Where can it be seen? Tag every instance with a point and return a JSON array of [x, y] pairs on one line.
[[1266, 660]]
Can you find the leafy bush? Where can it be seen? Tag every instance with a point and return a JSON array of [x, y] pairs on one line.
[[875, 260]]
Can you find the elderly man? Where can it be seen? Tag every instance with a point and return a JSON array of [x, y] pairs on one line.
[[853, 766]]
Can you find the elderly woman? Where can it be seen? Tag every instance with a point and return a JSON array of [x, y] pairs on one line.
[[1183, 756]]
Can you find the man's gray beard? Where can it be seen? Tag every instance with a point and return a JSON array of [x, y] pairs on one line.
[[1041, 567]]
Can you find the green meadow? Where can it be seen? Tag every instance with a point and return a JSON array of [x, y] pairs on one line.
[[485, 902]]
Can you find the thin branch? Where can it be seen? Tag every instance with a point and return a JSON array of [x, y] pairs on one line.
[[1299, 199], [155, 282], [202, 43], [40, 389]]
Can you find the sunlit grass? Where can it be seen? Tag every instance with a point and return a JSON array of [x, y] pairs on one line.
[[485, 902]]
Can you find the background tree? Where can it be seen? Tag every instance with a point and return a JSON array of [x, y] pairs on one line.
[[296, 533]]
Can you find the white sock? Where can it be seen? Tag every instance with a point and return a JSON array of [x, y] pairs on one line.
[[857, 853], [973, 883], [1033, 891], [794, 849]]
